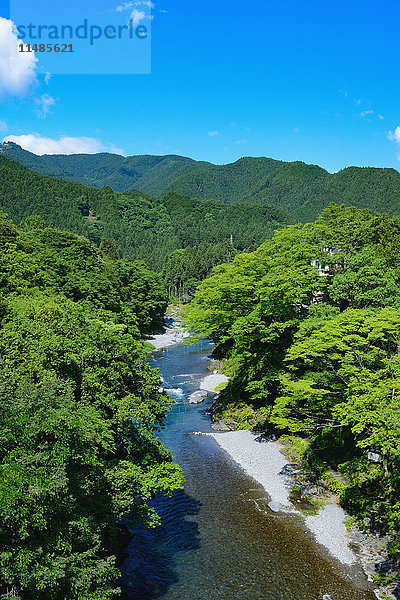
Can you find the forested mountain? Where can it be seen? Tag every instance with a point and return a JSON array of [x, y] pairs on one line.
[[316, 358], [138, 223], [150, 174], [142, 226], [299, 189], [212, 221], [80, 408], [293, 187]]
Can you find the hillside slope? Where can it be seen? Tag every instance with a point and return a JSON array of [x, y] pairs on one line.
[[299, 189], [296, 188], [137, 222], [142, 226], [150, 174]]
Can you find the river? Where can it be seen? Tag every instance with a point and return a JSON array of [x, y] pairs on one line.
[[218, 539]]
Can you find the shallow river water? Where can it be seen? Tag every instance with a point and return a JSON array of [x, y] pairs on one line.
[[219, 540]]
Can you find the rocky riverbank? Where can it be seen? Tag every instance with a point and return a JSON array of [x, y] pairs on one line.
[[264, 460], [173, 333], [213, 381]]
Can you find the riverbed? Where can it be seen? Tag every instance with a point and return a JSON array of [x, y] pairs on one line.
[[219, 540]]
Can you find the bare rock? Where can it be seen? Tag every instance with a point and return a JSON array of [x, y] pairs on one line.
[[197, 397]]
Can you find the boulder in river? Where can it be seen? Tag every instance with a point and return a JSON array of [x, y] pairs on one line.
[[197, 397], [275, 506]]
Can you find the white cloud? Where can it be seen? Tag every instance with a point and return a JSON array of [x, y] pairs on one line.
[[64, 145], [213, 133], [239, 142], [125, 6], [137, 16], [394, 136], [366, 113], [3, 126], [44, 104], [17, 69], [47, 78], [357, 102], [380, 117], [129, 5], [140, 11]]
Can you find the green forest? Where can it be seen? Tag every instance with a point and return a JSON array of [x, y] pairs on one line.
[[143, 227], [299, 190], [238, 205], [150, 174], [315, 358], [79, 458], [301, 296]]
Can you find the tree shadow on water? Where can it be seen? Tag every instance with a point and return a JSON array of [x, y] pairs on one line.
[[150, 567]]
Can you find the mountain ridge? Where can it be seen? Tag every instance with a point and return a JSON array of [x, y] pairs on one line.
[[143, 226], [147, 173], [302, 190]]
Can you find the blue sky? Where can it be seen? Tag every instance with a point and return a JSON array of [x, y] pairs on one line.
[[310, 81]]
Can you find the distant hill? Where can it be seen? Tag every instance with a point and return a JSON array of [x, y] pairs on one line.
[[150, 174], [213, 221], [298, 190], [143, 227], [137, 222]]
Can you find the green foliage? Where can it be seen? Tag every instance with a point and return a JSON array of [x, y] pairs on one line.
[[71, 264], [296, 188], [319, 355], [210, 233], [252, 306], [150, 174], [187, 267], [345, 373], [295, 447], [135, 225], [108, 249], [200, 203], [334, 485], [79, 459], [299, 189], [7, 230], [138, 224], [214, 221], [240, 415]]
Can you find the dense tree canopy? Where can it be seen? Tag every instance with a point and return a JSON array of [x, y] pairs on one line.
[[243, 202], [150, 174], [314, 355], [79, 460], [141, 227], [297, 188]]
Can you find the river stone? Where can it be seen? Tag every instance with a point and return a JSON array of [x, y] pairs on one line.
[[197, 397], [274, 505]]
